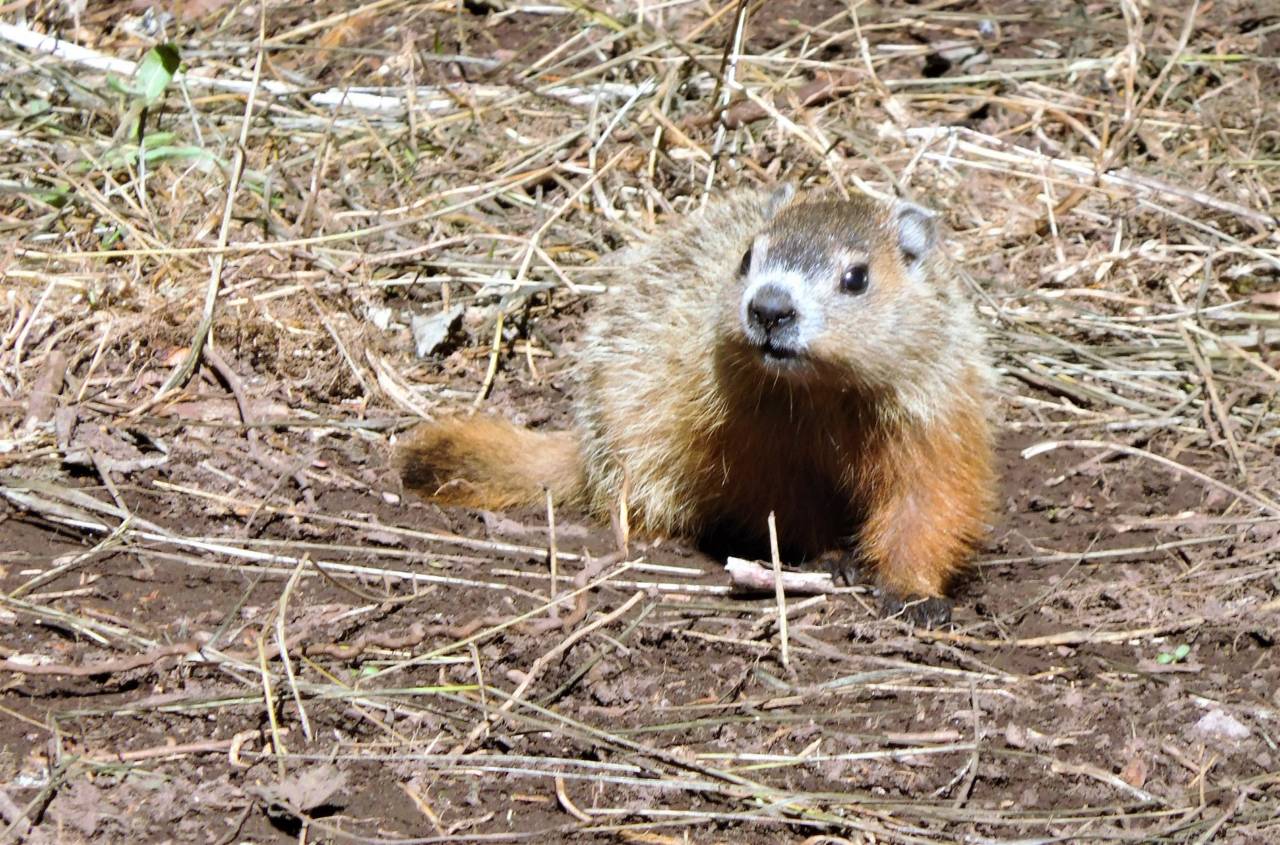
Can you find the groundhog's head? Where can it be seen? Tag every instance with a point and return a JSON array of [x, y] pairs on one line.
[[845, 286]]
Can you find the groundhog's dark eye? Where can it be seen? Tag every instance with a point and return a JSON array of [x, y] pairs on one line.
[[746, 262], [854, 279]]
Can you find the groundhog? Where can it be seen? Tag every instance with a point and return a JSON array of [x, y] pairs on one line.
[[813, 357]]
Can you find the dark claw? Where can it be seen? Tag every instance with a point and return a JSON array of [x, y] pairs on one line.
[[932, 612], [843, 568]]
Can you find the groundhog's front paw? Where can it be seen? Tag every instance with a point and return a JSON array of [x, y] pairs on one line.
[[932, 612], [844, 568]]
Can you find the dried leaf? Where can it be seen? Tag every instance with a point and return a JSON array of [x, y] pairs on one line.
[[305, 790], [1135, 772]]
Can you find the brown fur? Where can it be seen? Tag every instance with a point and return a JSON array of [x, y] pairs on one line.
[[879, 439], [928, 493], [483, 462]]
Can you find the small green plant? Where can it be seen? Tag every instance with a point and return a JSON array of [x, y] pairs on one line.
[[154, 73], [154, 147], [1178, 655]]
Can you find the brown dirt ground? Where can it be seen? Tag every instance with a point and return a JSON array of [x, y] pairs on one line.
[[1013, 738], [676, 686]]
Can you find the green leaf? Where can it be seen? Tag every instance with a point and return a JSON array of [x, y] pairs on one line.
[[56, 196], [158, 139], [155, 72], [1181, 652], [179, 152], [1164, 658], [118, 157]]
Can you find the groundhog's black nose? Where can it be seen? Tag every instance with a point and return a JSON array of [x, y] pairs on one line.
[[771, 308]]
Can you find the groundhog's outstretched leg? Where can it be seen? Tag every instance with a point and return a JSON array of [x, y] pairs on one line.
[[927, 498], [484, 462]]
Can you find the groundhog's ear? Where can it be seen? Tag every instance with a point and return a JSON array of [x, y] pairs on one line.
[[778, 199], [917, 230]]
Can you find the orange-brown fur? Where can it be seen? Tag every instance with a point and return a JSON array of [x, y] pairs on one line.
[[929, 492], [483, 462], [878, 440]]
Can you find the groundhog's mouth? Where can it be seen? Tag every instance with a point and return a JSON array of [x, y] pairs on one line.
[[780, 354]]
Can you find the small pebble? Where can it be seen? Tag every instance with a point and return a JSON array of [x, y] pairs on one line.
[[1220, 723]]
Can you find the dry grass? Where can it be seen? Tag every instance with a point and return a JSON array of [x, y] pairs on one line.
[[205, 350]]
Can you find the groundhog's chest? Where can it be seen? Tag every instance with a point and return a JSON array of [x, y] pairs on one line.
[[772, 461]]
